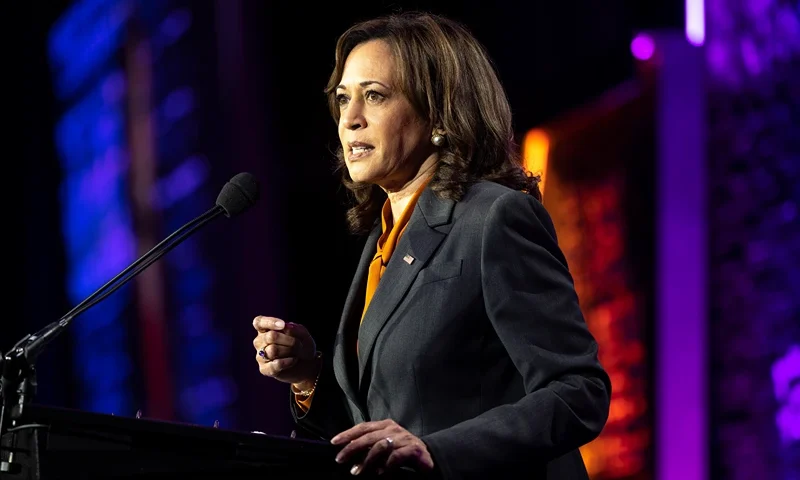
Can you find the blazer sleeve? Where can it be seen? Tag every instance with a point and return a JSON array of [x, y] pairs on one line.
[[532, 304]]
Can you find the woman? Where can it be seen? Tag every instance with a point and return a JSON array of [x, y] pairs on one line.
[[462, 351]]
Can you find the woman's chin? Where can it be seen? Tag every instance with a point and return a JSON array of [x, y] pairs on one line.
[[359, 175]]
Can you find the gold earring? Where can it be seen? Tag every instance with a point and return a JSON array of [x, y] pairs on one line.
[[438, 139]]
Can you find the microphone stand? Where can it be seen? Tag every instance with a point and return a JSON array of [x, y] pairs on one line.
[[17, 366]]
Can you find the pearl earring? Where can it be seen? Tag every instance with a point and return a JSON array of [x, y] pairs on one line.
[[438, 139]]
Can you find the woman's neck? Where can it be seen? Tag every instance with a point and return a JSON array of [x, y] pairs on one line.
[[399, 199]]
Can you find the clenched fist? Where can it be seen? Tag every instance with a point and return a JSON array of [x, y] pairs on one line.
[[285, 351]]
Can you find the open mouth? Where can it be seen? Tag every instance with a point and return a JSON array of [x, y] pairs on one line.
[[359, 151]]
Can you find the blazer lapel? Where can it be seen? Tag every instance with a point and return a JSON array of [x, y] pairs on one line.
[[344, 349], [426, 229]]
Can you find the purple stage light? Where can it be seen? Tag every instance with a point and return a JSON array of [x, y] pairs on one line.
[[643, 46]]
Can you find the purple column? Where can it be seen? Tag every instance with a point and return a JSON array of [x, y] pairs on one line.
[[681, 307]]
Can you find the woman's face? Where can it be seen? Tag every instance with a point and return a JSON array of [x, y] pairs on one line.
[[385, 141]]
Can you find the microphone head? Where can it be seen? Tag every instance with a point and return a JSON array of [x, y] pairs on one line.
[[238, 194]]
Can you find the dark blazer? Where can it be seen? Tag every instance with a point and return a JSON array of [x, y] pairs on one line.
[[473, 341]]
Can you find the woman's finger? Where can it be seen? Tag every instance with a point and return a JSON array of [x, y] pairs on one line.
[[264, 324], [363, 443], [361, 429], [275, 367], [278, 338], [274, 352], [377, 455], [412, 455]]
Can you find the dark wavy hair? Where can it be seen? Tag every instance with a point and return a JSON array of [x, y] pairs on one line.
[[449, 79]]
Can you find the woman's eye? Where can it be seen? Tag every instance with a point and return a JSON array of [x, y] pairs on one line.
[[374, 96]]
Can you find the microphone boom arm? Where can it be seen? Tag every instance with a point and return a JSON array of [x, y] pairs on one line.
[[17, 370], [17, 366]]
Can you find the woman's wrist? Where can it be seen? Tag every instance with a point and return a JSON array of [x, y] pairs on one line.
[[306, 387], [303, 388]]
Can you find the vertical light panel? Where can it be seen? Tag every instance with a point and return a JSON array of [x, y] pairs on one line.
[[681, 313], [695, 22], [96, 218], [595, 226], [150, 284], [752, 64]]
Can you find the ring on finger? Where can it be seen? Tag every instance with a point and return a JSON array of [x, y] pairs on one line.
[[263, 353], [390, 442]]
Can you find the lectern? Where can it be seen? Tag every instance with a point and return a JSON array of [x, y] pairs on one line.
[[54, 443]]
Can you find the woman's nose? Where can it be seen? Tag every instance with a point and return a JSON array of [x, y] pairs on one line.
[[352, 117]]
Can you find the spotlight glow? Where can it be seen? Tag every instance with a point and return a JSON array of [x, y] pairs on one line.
[[643, 46]]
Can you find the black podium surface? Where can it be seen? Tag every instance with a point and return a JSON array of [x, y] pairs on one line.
[[71, 444]]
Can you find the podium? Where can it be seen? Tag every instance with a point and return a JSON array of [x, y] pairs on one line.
[[52, 443]]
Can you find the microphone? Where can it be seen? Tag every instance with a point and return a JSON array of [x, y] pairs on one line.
[[236, 196]]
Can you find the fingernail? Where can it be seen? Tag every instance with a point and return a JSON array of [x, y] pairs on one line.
[[279, 324], [355, 470], [338, 459], [335, 440]]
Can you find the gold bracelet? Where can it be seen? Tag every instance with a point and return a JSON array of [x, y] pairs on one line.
[[307, 393]]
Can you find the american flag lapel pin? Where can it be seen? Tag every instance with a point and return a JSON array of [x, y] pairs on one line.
[[408, 259]]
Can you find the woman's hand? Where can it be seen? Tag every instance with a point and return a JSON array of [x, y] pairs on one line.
[[285, 351], [380, 446]]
